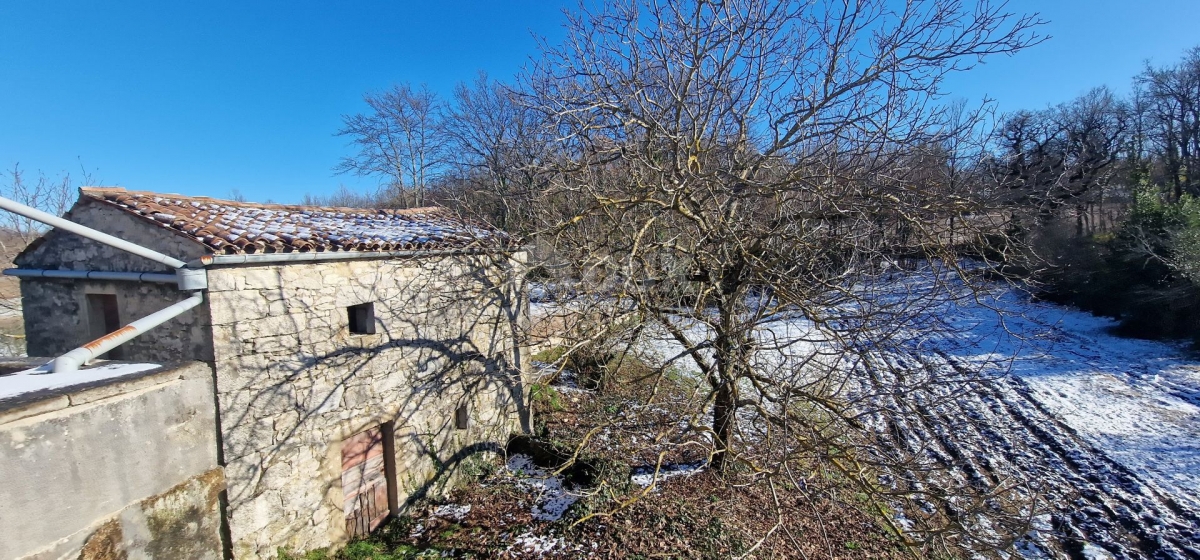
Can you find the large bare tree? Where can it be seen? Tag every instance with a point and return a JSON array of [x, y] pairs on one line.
[[399, 141], [722, 166], [1171, 96], [1064, 155]]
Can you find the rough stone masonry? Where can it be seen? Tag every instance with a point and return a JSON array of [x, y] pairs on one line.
[[293, 380]]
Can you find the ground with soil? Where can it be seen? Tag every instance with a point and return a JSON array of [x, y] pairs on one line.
[[519, 509]]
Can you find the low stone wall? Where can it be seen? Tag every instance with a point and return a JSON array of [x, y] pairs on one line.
[[120, 469]]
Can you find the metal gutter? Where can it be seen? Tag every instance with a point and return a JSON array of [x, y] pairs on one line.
[[187, 279], [79, 356], [311, 256], [93, 275], [67, 225]]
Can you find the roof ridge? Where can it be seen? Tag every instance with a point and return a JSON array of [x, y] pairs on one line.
[[94, 191]]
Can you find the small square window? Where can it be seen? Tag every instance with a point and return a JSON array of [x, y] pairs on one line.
[[362, 318], [461, 418]]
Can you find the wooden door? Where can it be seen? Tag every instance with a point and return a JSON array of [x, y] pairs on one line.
[[365, 481]]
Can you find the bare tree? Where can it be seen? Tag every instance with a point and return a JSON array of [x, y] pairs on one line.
[[495, 141], [721, 166], [344, 197], [397, 141], [53, 195], [49, 194], [1062, 155], [1172, 97]]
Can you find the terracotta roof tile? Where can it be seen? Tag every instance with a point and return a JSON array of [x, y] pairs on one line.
[[242, 227]]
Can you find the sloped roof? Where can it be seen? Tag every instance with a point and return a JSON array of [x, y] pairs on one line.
[[228, 227]]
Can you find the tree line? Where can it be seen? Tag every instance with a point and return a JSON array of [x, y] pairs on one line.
[[1110, 184], [474, 151], [1083, 150], [1050, 179]]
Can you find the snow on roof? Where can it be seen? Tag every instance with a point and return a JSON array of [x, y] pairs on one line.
[[243, 227], [39, 379]]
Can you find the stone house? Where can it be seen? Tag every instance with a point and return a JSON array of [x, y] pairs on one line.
[[359, 358]]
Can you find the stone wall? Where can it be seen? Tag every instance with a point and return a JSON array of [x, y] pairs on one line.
[[293, 383], [56, 319], [126, 469], [55, 310]]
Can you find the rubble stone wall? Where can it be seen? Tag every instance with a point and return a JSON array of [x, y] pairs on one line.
[[56, 310], [293, 383]]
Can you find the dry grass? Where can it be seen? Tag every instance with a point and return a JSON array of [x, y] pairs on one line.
[[12, 336], [704, 515]]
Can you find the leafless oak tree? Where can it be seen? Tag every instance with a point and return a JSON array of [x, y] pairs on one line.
[[495, 142], [1170, 97], [1065, 155]]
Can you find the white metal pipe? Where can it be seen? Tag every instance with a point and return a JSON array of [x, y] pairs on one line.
[[67, 225], [79, 356], [93, 275]]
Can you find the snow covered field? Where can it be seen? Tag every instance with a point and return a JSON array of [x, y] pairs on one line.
[[1107, 428], [1137, 401], [1111, 424]]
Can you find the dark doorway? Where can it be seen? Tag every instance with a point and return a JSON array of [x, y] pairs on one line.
[[103, 318]]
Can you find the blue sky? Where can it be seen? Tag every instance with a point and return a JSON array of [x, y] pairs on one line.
[[203, 98]]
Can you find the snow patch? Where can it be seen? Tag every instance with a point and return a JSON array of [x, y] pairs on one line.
[[41, 378], [452, 511], [1093, 552], [551, 494], [644, 476], [537, 544], [567, 380]]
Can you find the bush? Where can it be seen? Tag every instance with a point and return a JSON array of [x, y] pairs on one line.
[[546, 396], [593, 364], [1146, 274]]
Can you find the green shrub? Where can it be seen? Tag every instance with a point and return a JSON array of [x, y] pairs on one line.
[[550, 355], [594, 365], [546, 396], [1146, 274]]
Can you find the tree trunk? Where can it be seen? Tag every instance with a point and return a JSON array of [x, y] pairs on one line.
[[730, 356], [724, 413]]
